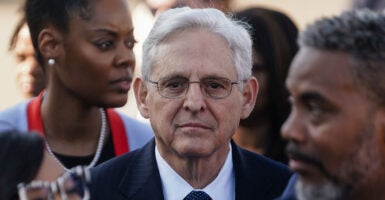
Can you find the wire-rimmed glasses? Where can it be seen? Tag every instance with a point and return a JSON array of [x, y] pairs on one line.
[[177, 87], [71, 185]]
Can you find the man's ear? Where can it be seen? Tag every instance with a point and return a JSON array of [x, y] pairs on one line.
[[250, 91], [141, 92], [49, 43]]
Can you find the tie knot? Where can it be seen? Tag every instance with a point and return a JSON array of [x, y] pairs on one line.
[[197, 195]]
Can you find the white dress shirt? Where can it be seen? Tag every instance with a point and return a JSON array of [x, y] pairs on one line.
[[176, 188]]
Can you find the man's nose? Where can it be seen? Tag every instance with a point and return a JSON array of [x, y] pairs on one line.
[[194, 99]]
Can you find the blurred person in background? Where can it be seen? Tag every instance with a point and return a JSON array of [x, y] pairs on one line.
[[85, 49], [159, 6], [222, 5], [23, 159], [30, 77], [274, 46], [376, 5]]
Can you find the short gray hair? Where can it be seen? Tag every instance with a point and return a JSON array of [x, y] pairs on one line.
[[180, 19], [360, 33]]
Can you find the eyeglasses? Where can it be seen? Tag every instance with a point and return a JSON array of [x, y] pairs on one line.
[[177, 87], [71, 185]]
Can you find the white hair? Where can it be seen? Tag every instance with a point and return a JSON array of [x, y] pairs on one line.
[[180, 19]]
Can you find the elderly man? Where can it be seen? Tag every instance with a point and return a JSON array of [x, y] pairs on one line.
[[196, 85], [336, 129]]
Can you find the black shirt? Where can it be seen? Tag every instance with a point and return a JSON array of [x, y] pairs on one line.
[[72, 161]]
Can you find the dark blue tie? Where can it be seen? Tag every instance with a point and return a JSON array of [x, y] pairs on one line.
[[197, 195]]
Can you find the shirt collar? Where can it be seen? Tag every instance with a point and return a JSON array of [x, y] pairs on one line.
[[222, 187]]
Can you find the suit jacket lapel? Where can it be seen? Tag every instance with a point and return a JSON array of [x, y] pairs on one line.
[[142, 179]]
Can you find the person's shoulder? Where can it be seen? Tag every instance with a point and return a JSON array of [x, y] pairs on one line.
[[128, 173], [262, 177], [139, 133], [134, 123], [119, 165], [264, 163], [114, 165], [109, 173], [266, 168], [15, 117], [15, 109], [289, 192], [107, 177]]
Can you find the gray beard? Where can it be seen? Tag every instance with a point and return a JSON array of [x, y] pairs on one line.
[[359, 166], [324, 191]]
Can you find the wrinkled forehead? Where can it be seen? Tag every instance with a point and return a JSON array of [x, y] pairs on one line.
[[194, 51]]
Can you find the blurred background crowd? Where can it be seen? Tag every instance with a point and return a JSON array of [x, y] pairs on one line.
[[301, 12]]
